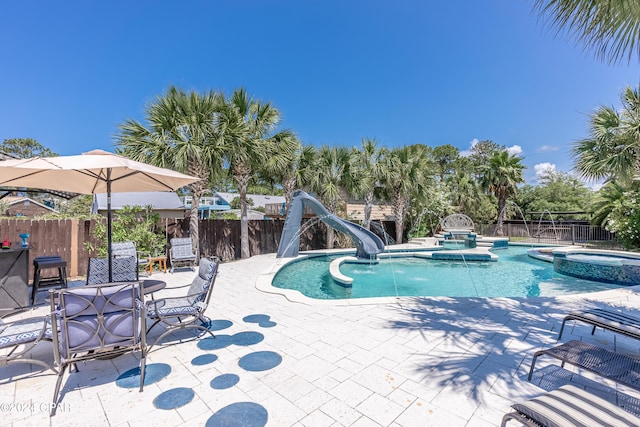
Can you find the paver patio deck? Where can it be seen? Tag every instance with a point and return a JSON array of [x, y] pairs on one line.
[[412, 362]]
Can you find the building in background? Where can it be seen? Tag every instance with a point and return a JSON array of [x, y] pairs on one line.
[[166, 203], [23, 206]]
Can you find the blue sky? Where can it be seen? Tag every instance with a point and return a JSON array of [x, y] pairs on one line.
[[402, 72]]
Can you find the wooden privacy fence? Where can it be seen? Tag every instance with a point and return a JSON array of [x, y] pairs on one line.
[[69, 238]]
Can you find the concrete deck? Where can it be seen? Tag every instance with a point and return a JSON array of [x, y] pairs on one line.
[[402, 362]]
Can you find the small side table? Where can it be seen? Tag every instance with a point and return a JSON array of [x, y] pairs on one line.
[[162, 263]]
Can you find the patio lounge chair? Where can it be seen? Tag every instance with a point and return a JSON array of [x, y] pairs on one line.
[[125, 269], [570, 406], [96, 322], [611, 320], [187, 311], [608, 364], [181, 253], [19, 337]]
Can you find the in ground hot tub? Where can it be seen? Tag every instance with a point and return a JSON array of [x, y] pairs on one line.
[[622, 268]]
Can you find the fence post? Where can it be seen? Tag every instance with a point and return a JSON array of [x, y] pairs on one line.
[[74, 252], [573, 234]]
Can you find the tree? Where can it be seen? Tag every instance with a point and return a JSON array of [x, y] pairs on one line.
[[445, 157], [235, 203], [247, 152], [613, 148], [184, 133], [25, 148], [363, 175], [78, 207], [606, 200], [560, 192], [293, 168], [609, 27], [328, 180], [465, 193], [500, 177], [404, 176], [482, 151]]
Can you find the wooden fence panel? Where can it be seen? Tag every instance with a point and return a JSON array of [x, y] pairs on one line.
[[70, 238]]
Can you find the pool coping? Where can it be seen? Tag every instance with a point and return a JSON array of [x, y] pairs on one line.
[[263, 284]]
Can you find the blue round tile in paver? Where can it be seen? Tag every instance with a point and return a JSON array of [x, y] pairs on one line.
[[260, 361], [218, 324], [247, 338], [241, 414], [152, 374], [224, 381], [204, 359], [221, 341], [174, 398], [261, 319]]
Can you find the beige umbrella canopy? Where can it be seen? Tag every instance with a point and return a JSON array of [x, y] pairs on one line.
[[94, 172]]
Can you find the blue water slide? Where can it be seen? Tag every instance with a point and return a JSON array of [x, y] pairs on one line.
[[368, 244]]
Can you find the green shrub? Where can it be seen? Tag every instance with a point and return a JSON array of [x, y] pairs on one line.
[[624, 220], [132, 223]]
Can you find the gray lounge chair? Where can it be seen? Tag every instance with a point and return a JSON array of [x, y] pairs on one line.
[[96, 322], [185, 312], [570, 406], [623, 324], [181, 253], [598, 360]]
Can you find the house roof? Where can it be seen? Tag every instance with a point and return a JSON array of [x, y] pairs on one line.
[[259, 200], [159, 200], [14, 200]]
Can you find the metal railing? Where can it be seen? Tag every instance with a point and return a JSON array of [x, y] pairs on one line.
[[562, 234]]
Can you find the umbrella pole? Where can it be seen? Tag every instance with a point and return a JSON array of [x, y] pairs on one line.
[[109, 225]]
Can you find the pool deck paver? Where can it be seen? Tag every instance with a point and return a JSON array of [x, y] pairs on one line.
[[416, 361]]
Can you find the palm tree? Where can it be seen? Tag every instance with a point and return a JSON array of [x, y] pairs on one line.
[[246, 153], [293, 168], [606, 200], [500, 176], [183, 132], [403, 177], [328, 180], [363, 175], [613, 148], [610, 27], [464, 192]]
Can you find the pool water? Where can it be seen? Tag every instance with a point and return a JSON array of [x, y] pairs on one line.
[[515, 274]]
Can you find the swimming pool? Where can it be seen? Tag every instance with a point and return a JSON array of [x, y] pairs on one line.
[[515, 274]]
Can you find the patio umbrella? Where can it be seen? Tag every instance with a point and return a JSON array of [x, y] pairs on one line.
[[94, 172]]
